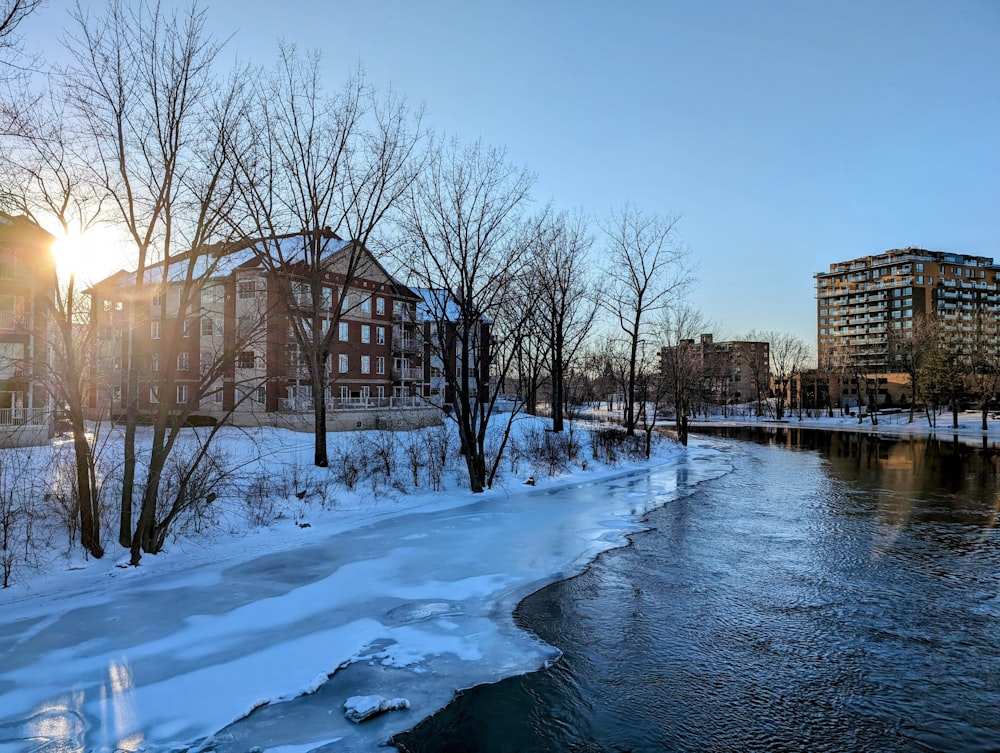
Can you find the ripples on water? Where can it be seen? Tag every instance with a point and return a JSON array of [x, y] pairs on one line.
[[838, 600]]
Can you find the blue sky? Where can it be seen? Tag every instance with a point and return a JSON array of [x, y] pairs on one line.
[[788, 134]]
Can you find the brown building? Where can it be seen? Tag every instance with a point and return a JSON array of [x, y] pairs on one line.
[[233, 352], [866, 306], [27, 291], [730, 372]]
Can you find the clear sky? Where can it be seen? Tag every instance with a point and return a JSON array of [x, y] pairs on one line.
[[789, 134]]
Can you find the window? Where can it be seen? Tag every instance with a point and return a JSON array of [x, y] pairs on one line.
[[366, 333], [930, 280], [183, 361], [920, 267], [366, 304], [154, 362], [345, 303], [246, 359], [345, 394], [366, 364], [207, 326], [342, 364], [154, 330], [205, 361], [182, 394], [186, 328], [366, 392], [247, 289], [153, 395], [380, 306], [380, 365], [380, 335], [342, 332], [380, 390]]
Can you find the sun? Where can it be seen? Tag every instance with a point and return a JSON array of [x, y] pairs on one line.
[[90, 255]]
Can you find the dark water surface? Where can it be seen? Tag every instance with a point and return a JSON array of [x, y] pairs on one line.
[[836, 592]]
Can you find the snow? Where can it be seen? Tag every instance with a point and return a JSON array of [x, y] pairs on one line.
[[359, 708], [244, 638], [894, 422]]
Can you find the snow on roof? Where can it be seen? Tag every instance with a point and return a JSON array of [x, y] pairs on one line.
[[437, 303]]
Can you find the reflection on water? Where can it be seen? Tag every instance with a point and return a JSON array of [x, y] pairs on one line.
[[61, 725], [844, 595]]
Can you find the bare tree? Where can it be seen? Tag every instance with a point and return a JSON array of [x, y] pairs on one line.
[[159, 125], [681, 364], [789, 355], [465, 246], [566, 298], [983, 361], [53, 188], [327, 168], [647, 267]]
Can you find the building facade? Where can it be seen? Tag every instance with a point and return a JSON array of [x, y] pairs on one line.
[[226, 347], [27, 292], [729, 372], [866, 307]]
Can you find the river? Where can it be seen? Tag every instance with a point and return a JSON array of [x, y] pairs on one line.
[[835, 592]]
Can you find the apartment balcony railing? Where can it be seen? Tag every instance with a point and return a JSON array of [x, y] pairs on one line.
[[304, 405], [406, 374], [24, 416], [14, 321], [404, 344]]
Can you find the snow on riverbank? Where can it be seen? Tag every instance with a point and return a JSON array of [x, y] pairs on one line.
[[373, 587], [895, 423]]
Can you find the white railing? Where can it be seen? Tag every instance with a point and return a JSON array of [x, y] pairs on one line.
[[304, 405], [24, 416], [13, 320]]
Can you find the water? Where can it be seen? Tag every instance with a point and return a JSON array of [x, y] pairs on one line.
[[836, 592]]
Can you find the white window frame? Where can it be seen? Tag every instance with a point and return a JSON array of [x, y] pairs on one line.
[[182, 394], [366, 364], [184, 361], [154, 330], [366, 333], [380, 365], [380, 335], [343, 332], [343, 363], [380, 306]]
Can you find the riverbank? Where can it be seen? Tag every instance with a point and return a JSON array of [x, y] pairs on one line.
[[897, 423], [370, 592]]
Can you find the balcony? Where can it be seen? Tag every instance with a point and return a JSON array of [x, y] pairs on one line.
[[14, 321], [402, 342], [406, 374]]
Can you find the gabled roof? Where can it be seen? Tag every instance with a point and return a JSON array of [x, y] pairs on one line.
[[221, 259]]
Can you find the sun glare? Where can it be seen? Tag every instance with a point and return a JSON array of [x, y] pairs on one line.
[[91, 255]]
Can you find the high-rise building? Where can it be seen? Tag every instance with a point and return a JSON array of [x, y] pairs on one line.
[[867, 306]]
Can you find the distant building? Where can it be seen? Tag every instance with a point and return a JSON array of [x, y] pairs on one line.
[[27, 292], [736, 371], [444, 353], [867, 306]]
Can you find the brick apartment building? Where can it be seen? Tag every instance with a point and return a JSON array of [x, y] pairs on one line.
[[233, 351], [27, 290], [730, 372], [867, 304]]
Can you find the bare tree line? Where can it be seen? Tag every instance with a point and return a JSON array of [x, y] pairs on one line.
[[143, 134]]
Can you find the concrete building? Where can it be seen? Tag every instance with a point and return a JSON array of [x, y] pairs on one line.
[[27, 291], [868, 305]]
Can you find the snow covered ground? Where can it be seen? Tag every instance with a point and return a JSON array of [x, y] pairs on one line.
[[375, 593], [970, 423]]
